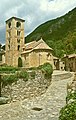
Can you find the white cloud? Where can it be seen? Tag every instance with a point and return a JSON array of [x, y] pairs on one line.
[[34, 12]]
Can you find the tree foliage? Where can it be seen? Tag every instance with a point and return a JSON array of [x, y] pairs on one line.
[[59, 34]]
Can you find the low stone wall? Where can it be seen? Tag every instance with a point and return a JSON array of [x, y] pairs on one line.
[[71, 90], [27, 89], [61, 76], [71, 87]]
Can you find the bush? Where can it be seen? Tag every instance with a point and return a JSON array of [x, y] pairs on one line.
[[69, 111], [9, 79], [71, 96], [23, 74], [8, 69], [47, 69]]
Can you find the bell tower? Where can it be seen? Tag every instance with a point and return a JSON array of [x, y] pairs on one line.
[[14, 40]]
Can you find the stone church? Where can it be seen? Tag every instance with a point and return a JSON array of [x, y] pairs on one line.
[[18, 53]]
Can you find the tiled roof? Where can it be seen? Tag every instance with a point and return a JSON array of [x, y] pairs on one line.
[[30, 45], [35, 45], [41, 45]]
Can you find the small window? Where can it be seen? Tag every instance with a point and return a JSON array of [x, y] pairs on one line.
[[54, 63], [8, 47], [0, 57], [18, 40], [18, 24], [18, 47], [48, 56], [23, 49], [61, 68], [18, 33], [9, 40], [9, 24]]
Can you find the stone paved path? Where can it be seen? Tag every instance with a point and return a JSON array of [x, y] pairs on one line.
[[50, 103]]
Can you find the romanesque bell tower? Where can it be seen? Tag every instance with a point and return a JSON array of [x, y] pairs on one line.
[[14, 40]]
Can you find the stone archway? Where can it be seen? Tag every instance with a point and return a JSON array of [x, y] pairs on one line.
[[19, 62]]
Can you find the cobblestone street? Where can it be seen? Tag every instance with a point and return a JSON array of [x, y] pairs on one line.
[[45, 107]]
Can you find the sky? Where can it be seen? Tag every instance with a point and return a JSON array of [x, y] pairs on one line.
[[34, 12]]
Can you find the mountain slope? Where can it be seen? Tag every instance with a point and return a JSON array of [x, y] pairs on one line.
[[60, 34]]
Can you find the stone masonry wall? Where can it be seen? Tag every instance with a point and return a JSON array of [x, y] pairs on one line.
[[71, 87], [26, 89]]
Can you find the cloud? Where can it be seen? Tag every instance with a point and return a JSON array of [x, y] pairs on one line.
[[34, 12]]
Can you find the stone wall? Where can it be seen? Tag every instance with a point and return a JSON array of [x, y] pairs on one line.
[[27, 89], [71, 90], [71, 87], [61, 76]]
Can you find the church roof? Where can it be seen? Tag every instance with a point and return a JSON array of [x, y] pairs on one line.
[[41, 45], [36, 45], [30, 45]]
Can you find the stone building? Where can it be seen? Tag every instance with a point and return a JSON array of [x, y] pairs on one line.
[[20, 54], [70, 62], [36, 53], [2, 57], [14, 40], [56, 63]]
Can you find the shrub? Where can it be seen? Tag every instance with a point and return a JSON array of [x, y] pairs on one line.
[[23, 74], [47, 69], [9, 79], [71, 96], [69, 111], [8, 69]]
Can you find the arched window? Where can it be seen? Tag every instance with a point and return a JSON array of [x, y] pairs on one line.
[[9, 24], [18, 47], [18, 24]]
